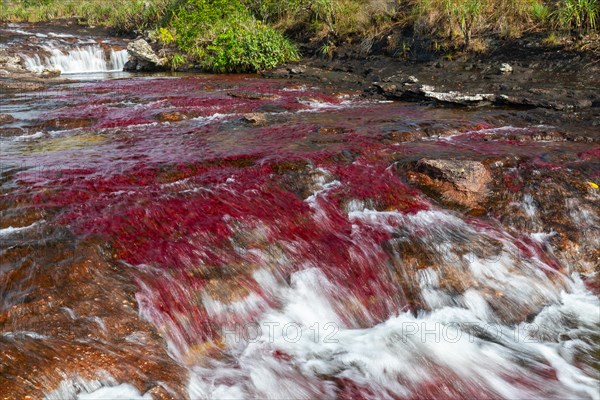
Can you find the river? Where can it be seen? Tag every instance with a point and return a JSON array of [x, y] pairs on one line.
[[236, 237]]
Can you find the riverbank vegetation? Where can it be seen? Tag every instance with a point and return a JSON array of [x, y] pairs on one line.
[[250, 35]]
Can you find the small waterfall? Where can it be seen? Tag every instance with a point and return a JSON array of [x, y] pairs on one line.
[[79, 60]]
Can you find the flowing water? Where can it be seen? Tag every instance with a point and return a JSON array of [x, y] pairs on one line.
[[83, 59], [284, 256], [49, 50]]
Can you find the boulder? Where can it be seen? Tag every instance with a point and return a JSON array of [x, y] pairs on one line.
[[142, 57], [255, 118], [10, 62], [456, 182], [175, 116], [6, 119]]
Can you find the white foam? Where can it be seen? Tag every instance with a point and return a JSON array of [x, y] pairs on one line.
[[26, 138], [460, 340], [123, 391], [85, 59], [11, 230], [393, 358], [105, 387]]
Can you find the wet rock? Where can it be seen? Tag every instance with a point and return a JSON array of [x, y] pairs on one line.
[[505, 68], [386, 87], [78, 319], [251, 95], [255, 118], [453, 181], [142, 57], [7, 86], [459, 98], [410, 91], [68, 123], [6, 119], [10, 62], [301, 177], [171, 116], [10, 132], [298, 70], [403, 136], [277, 73], [327, 130], [543, 135], [544, 99], [50, 73]]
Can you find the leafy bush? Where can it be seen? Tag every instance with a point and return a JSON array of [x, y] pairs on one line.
[[248, 48], [222, 36]]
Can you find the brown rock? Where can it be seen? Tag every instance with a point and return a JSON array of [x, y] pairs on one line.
[[255, 118], [403, 136], [68, 123], [50, 73], [171, 116], [252, 95], [8, 132], [71, 312], [461, 182], [329, 130], [20, 86], [6, 119]]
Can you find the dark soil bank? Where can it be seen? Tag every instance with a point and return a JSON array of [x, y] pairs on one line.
[[545, 84]]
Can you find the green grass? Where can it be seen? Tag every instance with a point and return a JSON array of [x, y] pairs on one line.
[[582, 15], [245, 35]]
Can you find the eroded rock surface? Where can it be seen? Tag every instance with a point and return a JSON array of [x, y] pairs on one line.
[[462, 182], [142, 57]]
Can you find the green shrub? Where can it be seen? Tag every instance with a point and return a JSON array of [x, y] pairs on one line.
[[540, 12], [582, 15], [223, 36], [248, 48]]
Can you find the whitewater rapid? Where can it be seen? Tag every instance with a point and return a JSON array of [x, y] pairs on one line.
[[85, 59]]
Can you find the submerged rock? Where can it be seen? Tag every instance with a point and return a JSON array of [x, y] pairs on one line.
[[67, 123], [251, 95], [331, 130]]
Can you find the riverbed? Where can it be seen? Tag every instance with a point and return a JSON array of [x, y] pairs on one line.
[[200, 236]]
